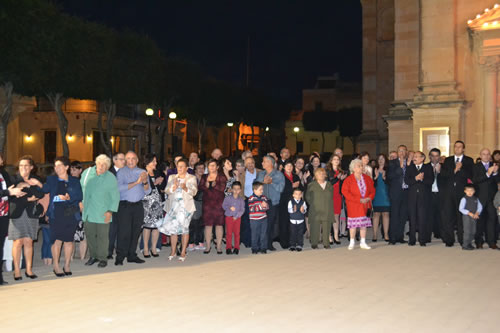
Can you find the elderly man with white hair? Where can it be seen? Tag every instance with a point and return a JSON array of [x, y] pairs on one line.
[[274, 183], [100, 200]]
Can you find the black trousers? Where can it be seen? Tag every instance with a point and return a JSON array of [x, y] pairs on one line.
[[4, 228], [113, 229], [196, 231], [486, 225], [272, 215], [451, 218], [130, 221], [245, 231], [435, 215], [399, 216], [297, 234], [418, 213], [284, 225]]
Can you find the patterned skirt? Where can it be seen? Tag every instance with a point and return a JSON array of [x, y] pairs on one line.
[[177, 219], [359, 222]]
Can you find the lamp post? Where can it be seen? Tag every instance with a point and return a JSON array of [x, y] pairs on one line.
[[172, 115], [149, 113], [296, 131], [230, 125]]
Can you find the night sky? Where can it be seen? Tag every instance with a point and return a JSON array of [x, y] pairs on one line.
[[291, 42]]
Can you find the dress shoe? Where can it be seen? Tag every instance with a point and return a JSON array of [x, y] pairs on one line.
[[449, 244], [91, 261], [298, 249], [336, 242], [147, 256], [264, 251], [32, 276], [58, 274], [236, 251], [67, 273], [374, 240], [207, 251], [155, 254], [314, 247], [137, 260], [255, 251], [468, 248], [219, 252], [18, 278], [110, 257], [479, 246], [292, 248], [228, 251], [493, 247], [118, 262], [402, 241], [102, 263], [411, 243], [423, 244], [392, 243]]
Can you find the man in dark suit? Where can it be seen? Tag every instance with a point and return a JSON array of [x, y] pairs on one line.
[[419, 177], [455, 173], [118, 163], [435, 204], [485, 176], [398, 193]]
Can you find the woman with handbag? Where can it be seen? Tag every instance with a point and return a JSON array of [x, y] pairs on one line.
[[64, 213], [24, 212], [358, 191]]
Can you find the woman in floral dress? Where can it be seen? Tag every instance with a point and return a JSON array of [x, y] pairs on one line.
[[181, 188], [153, 208]]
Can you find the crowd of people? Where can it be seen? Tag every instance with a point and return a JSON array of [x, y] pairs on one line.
[[115, 206]]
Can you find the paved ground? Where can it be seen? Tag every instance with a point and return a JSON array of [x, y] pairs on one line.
[[386, 289]]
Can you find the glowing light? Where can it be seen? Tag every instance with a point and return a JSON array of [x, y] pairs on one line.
[[89, 138], [296, 129], [28, 138], [469, 21], [496, 6], [70, 137], [112, 140], [149, 112], [485, 24], [478, 16], [486, 10], [230, 124], [267, 129], [495, 22], [172, 115]]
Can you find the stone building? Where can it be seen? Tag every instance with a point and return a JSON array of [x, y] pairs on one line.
[[446, 56]]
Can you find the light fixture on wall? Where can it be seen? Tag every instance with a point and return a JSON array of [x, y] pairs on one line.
[[70, 137], [89, 138], [28, 138]]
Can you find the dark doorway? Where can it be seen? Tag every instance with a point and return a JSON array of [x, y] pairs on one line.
[[50, 146]]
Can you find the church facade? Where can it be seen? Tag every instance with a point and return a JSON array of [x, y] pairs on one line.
[[443, 59]]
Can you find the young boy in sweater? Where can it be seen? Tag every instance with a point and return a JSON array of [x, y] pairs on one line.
[[297, 208], [471, 208], [234, 207], [257, 207]]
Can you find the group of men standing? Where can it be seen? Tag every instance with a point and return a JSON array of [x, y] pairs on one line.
[[428, 196]]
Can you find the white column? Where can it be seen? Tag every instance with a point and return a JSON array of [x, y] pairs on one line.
[[490, 108]]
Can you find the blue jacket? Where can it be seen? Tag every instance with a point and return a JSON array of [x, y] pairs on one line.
[[273, 190], [74, 191]]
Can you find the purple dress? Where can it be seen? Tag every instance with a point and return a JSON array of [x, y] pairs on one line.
[[213, 197]]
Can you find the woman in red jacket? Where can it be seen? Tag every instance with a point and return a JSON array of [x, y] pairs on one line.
[[358, 191]]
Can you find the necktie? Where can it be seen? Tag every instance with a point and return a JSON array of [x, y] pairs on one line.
[[458, 160], [418, 168], [486, 166]]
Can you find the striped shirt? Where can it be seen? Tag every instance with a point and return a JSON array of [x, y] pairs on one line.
[[255, 207]]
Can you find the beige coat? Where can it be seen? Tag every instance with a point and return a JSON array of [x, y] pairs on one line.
[[192, 189]]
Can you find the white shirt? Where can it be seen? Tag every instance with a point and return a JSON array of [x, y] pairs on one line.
[[290, 210], [458, 157], [249, 178], [435, 188]]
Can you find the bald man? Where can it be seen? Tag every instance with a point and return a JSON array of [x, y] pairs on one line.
[[485, 178]]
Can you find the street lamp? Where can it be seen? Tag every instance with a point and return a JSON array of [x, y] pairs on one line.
[[149, 113], [296, 131], [230, 125], [172, 115]]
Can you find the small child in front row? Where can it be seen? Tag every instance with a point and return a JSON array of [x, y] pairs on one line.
[[257, 207], [496, 202], [471, 208], [297, 208], [234, 207]]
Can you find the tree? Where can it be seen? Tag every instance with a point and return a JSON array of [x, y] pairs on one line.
[[350, 124], [320, 121]]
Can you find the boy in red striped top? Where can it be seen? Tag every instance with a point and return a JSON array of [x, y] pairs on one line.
[[257, 206]]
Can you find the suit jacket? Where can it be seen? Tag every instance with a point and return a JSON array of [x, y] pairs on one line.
[[112, 170], [395, 177], [486, 187], [420, 187], [455, 182]]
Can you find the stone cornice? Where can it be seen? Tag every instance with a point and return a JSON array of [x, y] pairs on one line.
[[490, 63]]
